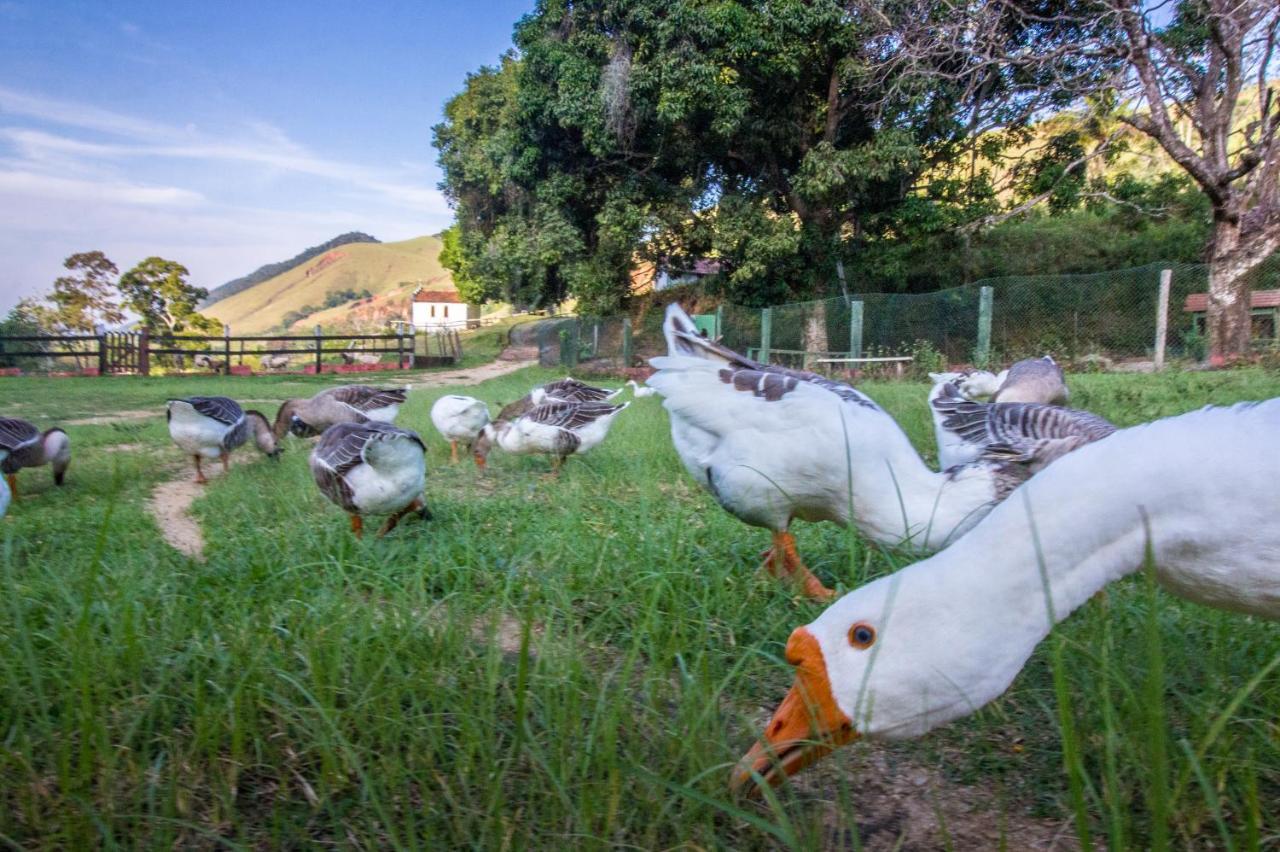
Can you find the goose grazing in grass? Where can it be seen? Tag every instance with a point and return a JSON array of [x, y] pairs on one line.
[[941, 638], [558, 429], [640, 391], [459, 418], [1036, 434], [571, 390], [210, 427], [345, 404], [773, 444], [372, 468], [26, 446]]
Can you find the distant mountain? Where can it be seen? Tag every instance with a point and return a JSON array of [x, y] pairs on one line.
[[355, 285], [271, 270]]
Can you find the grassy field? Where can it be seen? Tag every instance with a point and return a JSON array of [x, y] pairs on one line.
[[569, 663]]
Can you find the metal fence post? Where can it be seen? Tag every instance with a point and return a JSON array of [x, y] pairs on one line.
[[226, 347], [626, 342], [982, 352], [855, 329], [766, 334], [1162, 317], [319, 349]]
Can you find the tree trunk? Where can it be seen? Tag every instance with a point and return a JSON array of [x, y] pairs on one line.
[[815, 332], [1229, 317]]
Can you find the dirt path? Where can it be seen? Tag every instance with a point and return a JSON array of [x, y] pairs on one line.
[[509, 361], [170, 505]]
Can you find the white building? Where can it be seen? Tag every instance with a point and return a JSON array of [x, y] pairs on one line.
[[434, 310]]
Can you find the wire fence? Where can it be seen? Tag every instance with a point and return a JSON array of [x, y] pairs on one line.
[[1079, 319]]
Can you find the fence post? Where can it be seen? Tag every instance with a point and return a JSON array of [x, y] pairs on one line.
[[855, 329], [766, 334], [982, 352], [319, 349], [626, 342], [102, 350], [226, 348], [144, 352], [400, 349], [1162, 316]]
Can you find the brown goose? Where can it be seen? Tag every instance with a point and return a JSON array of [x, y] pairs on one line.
[[345, 404], [212, 426], [372, 468], [571, 390], [27, 446]]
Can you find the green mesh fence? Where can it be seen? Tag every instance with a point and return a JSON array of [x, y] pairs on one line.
[[1106, 315]]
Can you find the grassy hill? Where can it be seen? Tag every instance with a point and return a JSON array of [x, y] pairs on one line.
[[390, 271]]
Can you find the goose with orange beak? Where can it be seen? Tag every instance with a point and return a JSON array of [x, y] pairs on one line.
[[939, 639]]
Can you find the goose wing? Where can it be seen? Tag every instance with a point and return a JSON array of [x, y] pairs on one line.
[[345, 446], [364, 398], [1023, 432], [219, 408], [572, 390], [513, 410], [570, 416], [17, 434]]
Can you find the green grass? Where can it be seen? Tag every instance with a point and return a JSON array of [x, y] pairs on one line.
[[546, 664]]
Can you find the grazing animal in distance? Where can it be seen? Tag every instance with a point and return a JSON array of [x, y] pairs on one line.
[[459, 418], [210, 427], [274, 362], [939, 639], [345, 404], [350, 357], [772, 445], [372, 468], [26, 446], [207, 361]]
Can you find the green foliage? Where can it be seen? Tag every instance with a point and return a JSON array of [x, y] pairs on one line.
[[86, 299], [158, 291]]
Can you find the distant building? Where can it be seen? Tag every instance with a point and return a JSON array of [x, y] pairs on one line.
[[1264, 305], [434, 310]]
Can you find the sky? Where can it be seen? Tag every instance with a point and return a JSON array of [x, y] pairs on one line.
[[224, 135]]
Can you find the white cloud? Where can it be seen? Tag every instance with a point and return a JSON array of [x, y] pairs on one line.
[[39, 186]]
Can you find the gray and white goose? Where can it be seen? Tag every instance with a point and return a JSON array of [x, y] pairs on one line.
[[372, 468], [570, 389], [345, 404], [26, 446], [773, 444], [1031, 433], [555, 428], [210, 427]]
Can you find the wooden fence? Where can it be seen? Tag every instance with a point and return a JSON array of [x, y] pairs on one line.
[[109, 353]]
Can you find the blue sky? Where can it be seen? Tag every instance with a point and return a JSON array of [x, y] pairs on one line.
[[223, 135]]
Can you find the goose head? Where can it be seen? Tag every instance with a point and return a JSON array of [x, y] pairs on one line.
[[300, 428], [858, 675], [483, 444]]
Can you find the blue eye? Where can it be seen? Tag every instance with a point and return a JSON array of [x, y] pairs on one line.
[[861, 635]]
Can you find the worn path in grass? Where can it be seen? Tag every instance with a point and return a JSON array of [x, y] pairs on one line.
[[171, 501]]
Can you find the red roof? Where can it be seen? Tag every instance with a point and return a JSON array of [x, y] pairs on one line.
[[1198, 303], [437, 296]]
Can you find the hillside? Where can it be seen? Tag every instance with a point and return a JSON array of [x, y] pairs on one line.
[[270, 270], [389, 271]]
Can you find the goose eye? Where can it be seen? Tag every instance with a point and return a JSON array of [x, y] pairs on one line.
[[861, 635]]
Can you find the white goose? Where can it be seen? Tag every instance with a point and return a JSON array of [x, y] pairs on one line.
[[969, 431], [640, 391], [943, 637], [459, 418], [557, 429], [772, 444], [372, 468], [212, 426]]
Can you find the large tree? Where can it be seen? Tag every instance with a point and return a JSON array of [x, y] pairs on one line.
[[158, 291], [87, 297]]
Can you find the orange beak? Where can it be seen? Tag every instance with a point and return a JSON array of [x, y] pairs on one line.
[[807, 726]]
